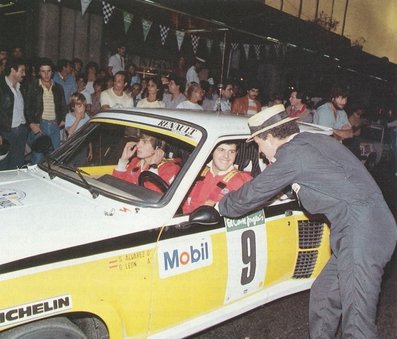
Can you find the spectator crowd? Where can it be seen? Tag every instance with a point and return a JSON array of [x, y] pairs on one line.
[[43, 104]]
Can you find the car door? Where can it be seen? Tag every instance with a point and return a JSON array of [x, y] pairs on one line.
[[202, 268]]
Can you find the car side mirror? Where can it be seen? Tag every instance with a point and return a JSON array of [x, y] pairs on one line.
[[203, 215]]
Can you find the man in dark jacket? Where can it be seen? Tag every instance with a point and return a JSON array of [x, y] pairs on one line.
[[328, 179], [45, 107], [12, 119]]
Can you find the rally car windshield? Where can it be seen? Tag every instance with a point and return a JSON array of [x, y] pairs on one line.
[[91, 157]]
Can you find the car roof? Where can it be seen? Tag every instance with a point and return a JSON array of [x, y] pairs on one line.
[[216, 124]]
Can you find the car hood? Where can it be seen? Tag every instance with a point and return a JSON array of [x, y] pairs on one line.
[[41, 215]]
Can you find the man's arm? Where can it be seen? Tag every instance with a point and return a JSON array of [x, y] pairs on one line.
[[263, 187], [344, 133]]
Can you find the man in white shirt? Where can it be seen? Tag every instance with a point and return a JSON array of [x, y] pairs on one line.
[[116, 61], [115, 97], [332, 114], [193, 71]]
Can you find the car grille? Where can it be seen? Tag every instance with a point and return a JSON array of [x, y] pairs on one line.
[[310, 236]]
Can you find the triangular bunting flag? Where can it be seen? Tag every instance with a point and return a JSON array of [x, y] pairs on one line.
[[284, 49], [246, 49], [146, 24], [195, 42], [107, 11], [163, 33], [127, 17], [267, 50], [234, 45], [84, 6], [179, 38], [257, 51], [222, 46], [277, 48], [209, 45]]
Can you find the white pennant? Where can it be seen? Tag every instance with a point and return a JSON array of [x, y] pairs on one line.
[[277, 48], [84, 6], [246, 49], [179, 38], [127, 17], [146, 24], [209, 45], [222, 46], [267, 50]]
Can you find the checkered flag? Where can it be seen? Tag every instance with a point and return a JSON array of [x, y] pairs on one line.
[[234, 45], [107, 11], [195, 42], [257, 51], [163, 33]]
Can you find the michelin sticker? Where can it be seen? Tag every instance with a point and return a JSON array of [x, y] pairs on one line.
[[247, 255], [10, 197], [35, 310], [184, 255]]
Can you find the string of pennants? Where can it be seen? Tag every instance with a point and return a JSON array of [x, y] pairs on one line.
[[278, 48]]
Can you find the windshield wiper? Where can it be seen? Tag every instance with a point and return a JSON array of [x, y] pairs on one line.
[[94, 192], [79, 172]]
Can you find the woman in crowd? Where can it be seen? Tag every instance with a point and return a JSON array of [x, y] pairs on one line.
[[154, 95], [99, 86], [194, 95], [91, 70]]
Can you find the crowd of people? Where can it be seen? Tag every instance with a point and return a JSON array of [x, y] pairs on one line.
[[44, 95]]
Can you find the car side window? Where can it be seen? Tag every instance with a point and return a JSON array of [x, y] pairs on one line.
[[220, 174]]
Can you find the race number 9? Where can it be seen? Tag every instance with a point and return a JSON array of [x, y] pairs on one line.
[[248, 249]]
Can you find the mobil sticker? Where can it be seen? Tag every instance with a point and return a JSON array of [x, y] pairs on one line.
[[176, 256]]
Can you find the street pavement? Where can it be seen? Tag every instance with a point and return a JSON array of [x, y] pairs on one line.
[[287, 318]]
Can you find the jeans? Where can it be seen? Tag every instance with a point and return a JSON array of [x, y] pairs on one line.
[[50, 128], [16, 155]]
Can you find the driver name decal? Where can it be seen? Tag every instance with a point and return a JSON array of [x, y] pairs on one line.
[[179, 128], [35, 310]]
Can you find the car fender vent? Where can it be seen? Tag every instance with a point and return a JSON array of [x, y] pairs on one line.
[[310, 233], [305, 264]]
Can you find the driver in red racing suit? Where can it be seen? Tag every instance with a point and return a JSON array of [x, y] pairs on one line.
[[149, 157], [218, 178]]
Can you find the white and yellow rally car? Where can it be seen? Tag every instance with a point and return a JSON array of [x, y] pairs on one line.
[[87, 255]]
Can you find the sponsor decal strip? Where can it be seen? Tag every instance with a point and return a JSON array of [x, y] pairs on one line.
[[103, 246], [35, 310]]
